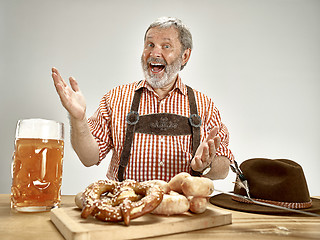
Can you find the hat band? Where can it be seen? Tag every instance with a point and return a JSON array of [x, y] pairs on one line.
[[293, 205]]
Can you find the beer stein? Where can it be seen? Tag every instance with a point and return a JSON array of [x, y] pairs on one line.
[[37, 165]]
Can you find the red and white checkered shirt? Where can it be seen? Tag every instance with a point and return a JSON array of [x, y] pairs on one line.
[[152, 156]]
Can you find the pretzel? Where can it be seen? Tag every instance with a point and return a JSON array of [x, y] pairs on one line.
[[112, 201]]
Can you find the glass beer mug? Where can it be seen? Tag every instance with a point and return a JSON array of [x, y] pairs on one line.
[[37, 165]]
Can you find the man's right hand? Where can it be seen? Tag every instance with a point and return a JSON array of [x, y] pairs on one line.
[[71, 97], [73, 101]]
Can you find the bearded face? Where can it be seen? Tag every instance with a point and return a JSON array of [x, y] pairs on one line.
[[162, 56], [158, 73]]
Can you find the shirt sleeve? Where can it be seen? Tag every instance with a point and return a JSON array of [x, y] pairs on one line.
[[100, 127], [213, 119], [224, 150]]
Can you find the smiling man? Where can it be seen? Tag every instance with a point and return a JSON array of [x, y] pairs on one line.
[[163, 56], [157, 127]]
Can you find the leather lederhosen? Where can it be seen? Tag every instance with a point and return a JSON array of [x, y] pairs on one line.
[[160, 124]]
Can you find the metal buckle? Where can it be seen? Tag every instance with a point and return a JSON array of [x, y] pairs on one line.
[[195, 120], [132, 117]]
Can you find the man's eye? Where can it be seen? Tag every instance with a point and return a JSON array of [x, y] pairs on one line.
[[166, 46], [150, 45]]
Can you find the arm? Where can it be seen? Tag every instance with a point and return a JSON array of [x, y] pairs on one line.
[[83, 142], [73, 101]]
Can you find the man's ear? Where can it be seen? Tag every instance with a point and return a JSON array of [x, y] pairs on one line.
[[185, 56]]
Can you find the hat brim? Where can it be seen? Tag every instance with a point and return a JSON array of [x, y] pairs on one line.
[[225, 201]]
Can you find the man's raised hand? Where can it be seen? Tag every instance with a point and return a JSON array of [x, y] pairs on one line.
[[71, 97]]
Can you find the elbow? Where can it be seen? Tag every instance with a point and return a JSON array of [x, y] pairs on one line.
[[88, 161], [86, 164]]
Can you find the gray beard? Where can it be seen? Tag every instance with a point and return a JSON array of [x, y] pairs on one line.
[[170, 74]]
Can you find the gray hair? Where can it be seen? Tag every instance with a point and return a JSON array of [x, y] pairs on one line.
[[183, 31]]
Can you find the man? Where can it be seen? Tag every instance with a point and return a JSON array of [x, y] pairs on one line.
[[157, 127]]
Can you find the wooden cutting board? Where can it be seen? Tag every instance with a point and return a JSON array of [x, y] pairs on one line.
[[73, 227]]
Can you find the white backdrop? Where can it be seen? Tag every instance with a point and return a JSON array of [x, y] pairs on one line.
[[258, 59]]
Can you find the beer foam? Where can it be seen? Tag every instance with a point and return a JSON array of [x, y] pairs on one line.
[[40, 128]]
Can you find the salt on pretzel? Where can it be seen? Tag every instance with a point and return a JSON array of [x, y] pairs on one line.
[[127, 200]]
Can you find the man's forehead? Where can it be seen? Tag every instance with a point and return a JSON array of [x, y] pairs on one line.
[[167, 34]]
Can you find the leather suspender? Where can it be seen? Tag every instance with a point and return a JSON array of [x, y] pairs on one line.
[[194, 122], [132, 120]]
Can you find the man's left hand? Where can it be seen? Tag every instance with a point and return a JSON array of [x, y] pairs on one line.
[[206, 151]]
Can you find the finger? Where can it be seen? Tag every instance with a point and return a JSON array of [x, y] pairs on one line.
[[74, 84], [62, 94], [205, 154], [212, 148], [212, 133], [53, 69], [217, 141], [58, 78], [196, 164]]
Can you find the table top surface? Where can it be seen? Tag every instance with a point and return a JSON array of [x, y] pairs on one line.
[[14, 225]]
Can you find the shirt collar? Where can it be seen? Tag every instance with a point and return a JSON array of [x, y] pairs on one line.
[[179, 85]]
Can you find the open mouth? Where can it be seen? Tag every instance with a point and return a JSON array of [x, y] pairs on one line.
[[156, 67]]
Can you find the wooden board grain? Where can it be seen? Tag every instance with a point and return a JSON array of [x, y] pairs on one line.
[[73, 227]]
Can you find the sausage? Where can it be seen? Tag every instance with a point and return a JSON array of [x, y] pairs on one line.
[[162, 184], [176, 182], [198, 204], [172, 203], [79, 200], [197, 186]]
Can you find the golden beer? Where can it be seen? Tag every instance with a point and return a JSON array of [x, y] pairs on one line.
[[36, 173]]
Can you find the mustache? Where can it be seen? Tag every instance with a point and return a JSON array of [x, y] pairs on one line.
[[157, 60]]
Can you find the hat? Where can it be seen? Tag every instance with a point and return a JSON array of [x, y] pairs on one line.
[[279, 182]]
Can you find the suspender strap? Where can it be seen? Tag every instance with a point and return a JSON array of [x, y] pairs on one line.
[[132, 120], [195, 122]]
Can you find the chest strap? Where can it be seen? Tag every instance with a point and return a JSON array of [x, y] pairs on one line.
[[159, 124]]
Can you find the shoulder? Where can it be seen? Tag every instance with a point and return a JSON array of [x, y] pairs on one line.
[[129, 87], [206, 106], [119, 95], [122, 91], [202, 99]]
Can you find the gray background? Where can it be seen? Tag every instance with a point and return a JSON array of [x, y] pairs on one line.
[[259, 60]]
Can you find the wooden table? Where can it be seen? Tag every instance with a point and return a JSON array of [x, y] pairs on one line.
[[34, 226]]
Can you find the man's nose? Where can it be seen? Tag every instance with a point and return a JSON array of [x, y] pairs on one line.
[[156, 52]]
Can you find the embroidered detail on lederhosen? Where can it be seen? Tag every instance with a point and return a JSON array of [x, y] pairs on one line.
[[160, 124]]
